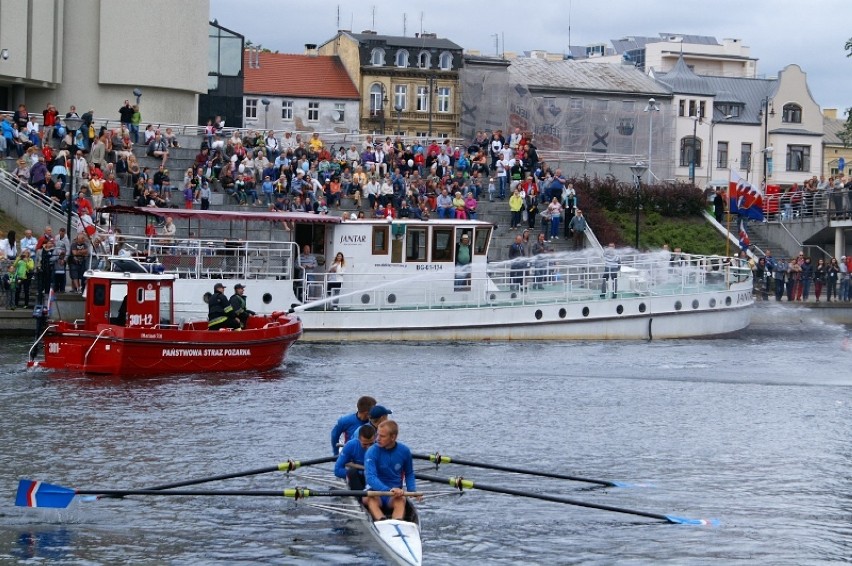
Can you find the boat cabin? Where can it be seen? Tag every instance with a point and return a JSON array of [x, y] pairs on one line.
[[132, 300]]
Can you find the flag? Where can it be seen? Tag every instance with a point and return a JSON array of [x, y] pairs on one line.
[[744, 241], [744, 198]]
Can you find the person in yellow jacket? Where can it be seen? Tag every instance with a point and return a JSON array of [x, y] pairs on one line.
[[516, 205]]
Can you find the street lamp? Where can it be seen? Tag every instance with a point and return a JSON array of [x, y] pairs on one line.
[[138, 94], [767, 110], [692, 161], [398, 109], [429, 90], [4, 53], [650, 109], [72, 125], [638, 170], [384, 103], [265, 102]]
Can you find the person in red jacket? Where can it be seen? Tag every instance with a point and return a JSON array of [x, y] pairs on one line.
[[111, 190]]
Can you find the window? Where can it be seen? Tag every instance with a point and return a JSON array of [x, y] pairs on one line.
[[421, 134], [628, 106], [446, 61], [601, 105], [480, 242], [681, 111], [692, 108], [702, 109], [792, 114], [251, 108], [442, 244], [444, 99], [402, 58], [313, 111], [286, 109], [690, 146], [798, 156], [728, 109], [377, 57], [745, 157], [576, 104], [376, 92], [722, 155], [415, 244], [380, 240], [339, 112], [400, 97], [424, 60], [423, 99]]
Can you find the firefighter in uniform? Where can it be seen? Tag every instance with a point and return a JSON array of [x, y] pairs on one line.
[[220, 313]]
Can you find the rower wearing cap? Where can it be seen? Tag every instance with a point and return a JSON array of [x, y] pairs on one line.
[[220, 313], [379, 414], [348, 425], [353, 452], [238, 303]]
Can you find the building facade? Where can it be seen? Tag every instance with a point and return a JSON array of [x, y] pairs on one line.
[[408, 85], [305, 93], [93, 55]]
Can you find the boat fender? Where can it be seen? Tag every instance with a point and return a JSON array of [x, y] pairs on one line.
[[650, 334]]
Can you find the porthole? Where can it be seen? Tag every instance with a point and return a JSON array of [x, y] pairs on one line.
[[365, 299], [392, 298], [443, 299], [513, 296], [563, 313], [619, 309], [642, 307], [492, 297], [695, 304], [538, 314], [207, 296], [712, 303], [727, 301], [585, 311], [678, 306], [267, 298]]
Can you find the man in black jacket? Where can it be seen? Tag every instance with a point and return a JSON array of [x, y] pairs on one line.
[[238, 303], [220, 313]]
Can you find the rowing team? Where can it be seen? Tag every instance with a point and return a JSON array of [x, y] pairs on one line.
[[372, 459]]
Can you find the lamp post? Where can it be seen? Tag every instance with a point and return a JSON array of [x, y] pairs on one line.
[[382, 109], [650, 109], [767, 110], [429, 91], [692, 161], [638, 170], [265, 102], [398, 109], [138, 94], [72, 125], [4, 54]]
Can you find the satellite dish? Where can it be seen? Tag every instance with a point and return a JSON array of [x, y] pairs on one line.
[[338, 116]]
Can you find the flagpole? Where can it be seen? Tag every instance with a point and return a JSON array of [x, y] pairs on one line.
[[728, 216]]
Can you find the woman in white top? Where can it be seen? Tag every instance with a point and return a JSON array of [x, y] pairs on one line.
[[335, 276], [9, 246], [554, 209]]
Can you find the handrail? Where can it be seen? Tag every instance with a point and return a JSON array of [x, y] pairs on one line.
[[39, 339], [15, 185], [89, 351]]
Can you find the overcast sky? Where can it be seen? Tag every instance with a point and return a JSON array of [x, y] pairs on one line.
[[779, 32]]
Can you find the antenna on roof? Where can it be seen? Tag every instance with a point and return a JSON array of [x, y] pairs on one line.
[[374, 18], [338, 16], [569, 25], [496, 44], [404, 22], [421, 23]]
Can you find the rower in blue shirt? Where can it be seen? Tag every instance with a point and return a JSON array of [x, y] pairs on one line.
[[387, 466], [348, 425], [353, 452]]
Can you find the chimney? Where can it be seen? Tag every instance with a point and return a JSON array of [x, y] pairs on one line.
[[830, 113], [311, 49], [368, 32]]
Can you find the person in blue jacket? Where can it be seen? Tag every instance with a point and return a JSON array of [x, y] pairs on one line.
[[348, 425], [388, 466], [353, 452]]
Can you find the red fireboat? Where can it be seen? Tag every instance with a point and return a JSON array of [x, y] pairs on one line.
[[130, 330]]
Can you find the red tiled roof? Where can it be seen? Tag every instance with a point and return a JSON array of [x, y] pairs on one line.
[[303, 76]]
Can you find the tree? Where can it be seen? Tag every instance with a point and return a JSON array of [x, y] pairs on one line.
[[848, 47], [845, 134]]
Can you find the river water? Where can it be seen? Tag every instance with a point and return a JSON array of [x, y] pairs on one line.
[[752, 430]]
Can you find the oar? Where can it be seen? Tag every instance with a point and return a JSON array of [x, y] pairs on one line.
[[288, 466], [461, 483], [439, 459], [40, 494]]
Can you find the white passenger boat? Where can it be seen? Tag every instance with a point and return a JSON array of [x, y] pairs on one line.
[[401, 280]]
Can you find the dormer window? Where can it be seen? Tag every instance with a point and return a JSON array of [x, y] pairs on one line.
[[446, 61], [402, 58], [792, 114], [424, 60], [377, 58]]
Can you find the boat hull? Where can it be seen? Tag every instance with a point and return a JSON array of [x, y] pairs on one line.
[[116, 350], [399, 540]]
